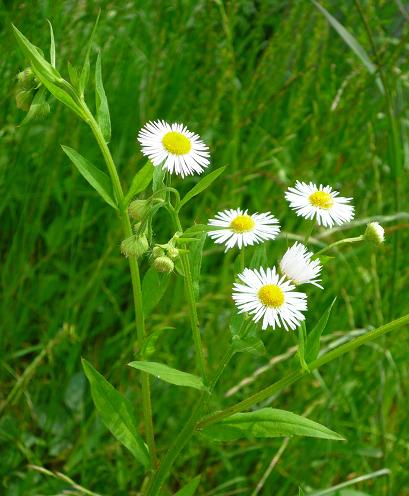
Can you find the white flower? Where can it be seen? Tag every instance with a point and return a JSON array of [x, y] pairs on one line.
[[375, 232], [297, 266], [309, 201], [265, 295], [174, 147], [237, 227]]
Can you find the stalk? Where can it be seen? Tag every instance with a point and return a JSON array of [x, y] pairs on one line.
[[135, 277], [344, 241]]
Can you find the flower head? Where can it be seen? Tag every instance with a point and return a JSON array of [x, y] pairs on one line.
[[297, 266], [265, 295], [309, 201], [173, 146], [375, 233], [237, 227]]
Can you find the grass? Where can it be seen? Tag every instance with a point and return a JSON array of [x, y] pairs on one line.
[[278, 96]]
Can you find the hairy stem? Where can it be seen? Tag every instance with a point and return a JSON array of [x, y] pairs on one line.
[[345, 241]]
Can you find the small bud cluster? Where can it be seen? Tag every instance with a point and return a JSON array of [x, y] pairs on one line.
[[163, 257], [26, 90]]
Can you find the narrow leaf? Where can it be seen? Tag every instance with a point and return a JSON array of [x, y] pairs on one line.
[[101, 102], [95, 177], [352, 42], [312, 344], [195, 261], [201, 185], [168, 374], [190, 488], [116, 413], [84, 77], [52, 45], [302, 338], [73, 73], [140, 182], [154, 286], [266, 423]]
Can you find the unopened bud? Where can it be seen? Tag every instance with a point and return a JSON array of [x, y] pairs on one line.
[[158, 251], [138, 209], [134, 246], [26, 79], [24, 99], [163, 264], [375, 233], [172, 251]]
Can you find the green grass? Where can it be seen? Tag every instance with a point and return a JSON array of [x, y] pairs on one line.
[[278, 96]]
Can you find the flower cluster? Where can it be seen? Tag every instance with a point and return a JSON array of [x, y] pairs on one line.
[[268, 294]]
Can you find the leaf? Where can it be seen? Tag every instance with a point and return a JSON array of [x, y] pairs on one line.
[[154, 286], [245, 336], [140, 182], [73, 73], [201, 186], [197, 229], [352, 42], [168, 374], [84, 77], [101, 103], [190, 488], [259, 258], [267, 423], [95, 177], [39, 100], [116, 413], [47, 74], [195, 261], [312, 344], [52, 45], [158, 178], [302, 338]]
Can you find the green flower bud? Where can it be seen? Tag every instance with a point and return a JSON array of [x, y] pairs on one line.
[[26, 79], [157, 251], [163, 264], [24, 99], [134, 246], [138, 209], [374, 233], [172, 251]]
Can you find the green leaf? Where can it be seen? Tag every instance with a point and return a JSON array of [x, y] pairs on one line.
[[154, 286], [259, 258], [95, 177], [201, 186], [197, 229], [352, 42], [52, 44], [73, 73], [190, 488], [140, 182], [158, 178], [101, 103], [48, 75], [312, 344], [84, 77], [245, 335], [39, 100], [116, 413], [302, 338], [168, 374], [195, 261], [266, 423]]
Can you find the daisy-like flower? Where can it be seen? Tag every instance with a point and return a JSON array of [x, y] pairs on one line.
[[237, 227], [309, 201], [297, 266], [173, 146], [265, 295], [375, 233]]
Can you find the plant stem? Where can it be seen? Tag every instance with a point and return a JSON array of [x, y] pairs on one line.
[[135, 277], [191, 300], [338, 243], [295, 376]]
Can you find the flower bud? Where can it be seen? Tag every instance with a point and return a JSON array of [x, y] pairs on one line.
[[375, 233], [138, 209], [134, 246], [163, 264], [157, 251], [172, 251], [26, 79], [24, 99]]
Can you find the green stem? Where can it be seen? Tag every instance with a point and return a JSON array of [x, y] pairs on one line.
[[308, 233], [338, 243], [295, 376], [135, 277], [191, 300]]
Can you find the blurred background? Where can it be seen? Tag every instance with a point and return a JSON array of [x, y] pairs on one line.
[[278, 96]]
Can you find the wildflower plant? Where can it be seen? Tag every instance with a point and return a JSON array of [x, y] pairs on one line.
[[274, 296]]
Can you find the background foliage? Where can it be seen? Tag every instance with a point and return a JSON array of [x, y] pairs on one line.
[[278, 96]]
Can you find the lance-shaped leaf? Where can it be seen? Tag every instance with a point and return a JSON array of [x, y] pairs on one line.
[[48, 75], [168, 374], [140, 182], [101, 103], [95, 177], [154, 286], [52, 44], [116, 413], [312, 345], [266, 423], [84, 76], [190, 488], [201, 185]]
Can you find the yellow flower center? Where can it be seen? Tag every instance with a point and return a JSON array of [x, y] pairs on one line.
[[176, 143], [271, 296], [242, 223], [321, 199]]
